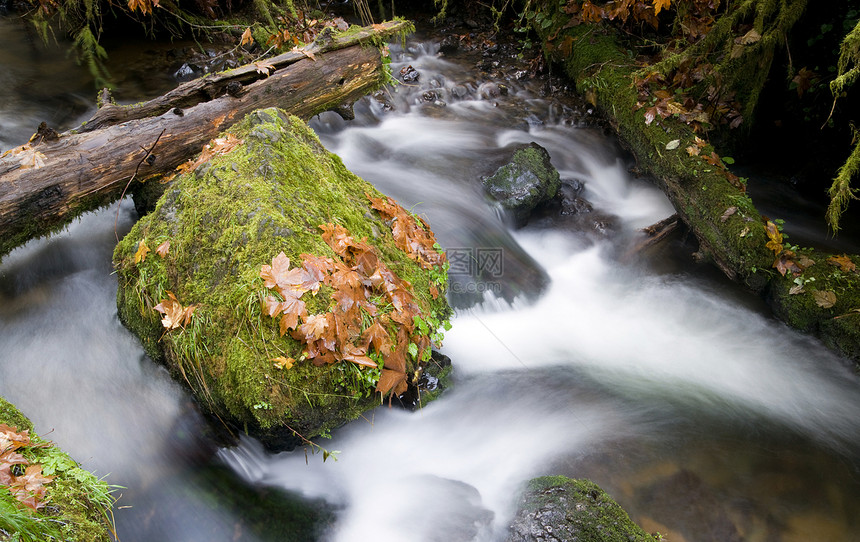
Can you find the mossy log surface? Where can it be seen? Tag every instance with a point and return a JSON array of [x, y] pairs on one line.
[[730, 231], [72, 511], [561, 508], [80, 172], [206, 88], [224, 221]]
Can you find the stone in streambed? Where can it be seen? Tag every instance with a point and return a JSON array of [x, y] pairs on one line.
[[525, 182]]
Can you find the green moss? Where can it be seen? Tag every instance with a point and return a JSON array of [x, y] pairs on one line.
[[224, 221], [736, 241], [577, 510], [700, 195], [78, 505], [839, 324]]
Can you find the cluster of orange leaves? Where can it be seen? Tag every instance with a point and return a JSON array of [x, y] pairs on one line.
[[24, 481], [145, 6], [788, 260], [694, 21], [361, 281], [300, 29]]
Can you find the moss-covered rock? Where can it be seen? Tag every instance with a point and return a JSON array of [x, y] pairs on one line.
[[560, 508], [225, 220], [77, 504], [525, 182]]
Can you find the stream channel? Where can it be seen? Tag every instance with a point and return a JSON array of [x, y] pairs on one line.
[[678, 393]]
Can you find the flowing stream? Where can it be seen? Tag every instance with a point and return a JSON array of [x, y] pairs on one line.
[[704, 417]]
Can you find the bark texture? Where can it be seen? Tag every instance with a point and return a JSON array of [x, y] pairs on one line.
[[44, 187]]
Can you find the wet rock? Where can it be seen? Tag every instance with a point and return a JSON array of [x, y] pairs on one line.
[[408, 74], [528, 180], [489, 91], [560, 509], [449, 45], [570, 198], [460, 91]]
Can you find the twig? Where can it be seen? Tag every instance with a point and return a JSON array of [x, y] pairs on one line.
[[142, 160]]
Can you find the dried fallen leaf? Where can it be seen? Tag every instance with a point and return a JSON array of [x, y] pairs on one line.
[[692, 150], [661, 5], [175, 315], [774, 237], [264, 67], [33, 159], [163, 248], [749, 38], [672, 145], [283, 363], [729, 212], [247, 38], [843, 262], [824, 298], [796, 289], [142, 251]]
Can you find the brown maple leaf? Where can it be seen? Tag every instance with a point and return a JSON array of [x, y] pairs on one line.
[[824, 298], [357, 355], [163, 248], [844, 263], [247, 38], [7, 459], [377, 336], [264, 67], [29, 488], [175, 315]]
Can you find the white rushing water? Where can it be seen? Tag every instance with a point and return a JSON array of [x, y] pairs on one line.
[[701, 415], [609, 352]]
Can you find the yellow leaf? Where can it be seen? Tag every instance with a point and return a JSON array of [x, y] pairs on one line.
[[142, 251], [775, 237], [283, 363], [247, 38], [660, 5]]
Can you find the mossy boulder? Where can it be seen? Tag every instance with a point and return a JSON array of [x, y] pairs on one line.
[[77, 505], [557, 508], [281, 381], [525, 182]]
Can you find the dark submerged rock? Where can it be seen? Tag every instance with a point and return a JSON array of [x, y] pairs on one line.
[[528, 180], [557, 509]]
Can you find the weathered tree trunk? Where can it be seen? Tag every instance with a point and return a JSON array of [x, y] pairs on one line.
[[44, 187]]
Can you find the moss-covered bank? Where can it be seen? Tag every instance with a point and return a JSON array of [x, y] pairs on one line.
[[730, 231], [561, 508], [225, 220], [77, 504]]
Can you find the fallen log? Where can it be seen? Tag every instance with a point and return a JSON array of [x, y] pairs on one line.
[[811, 290], [50, 181]]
